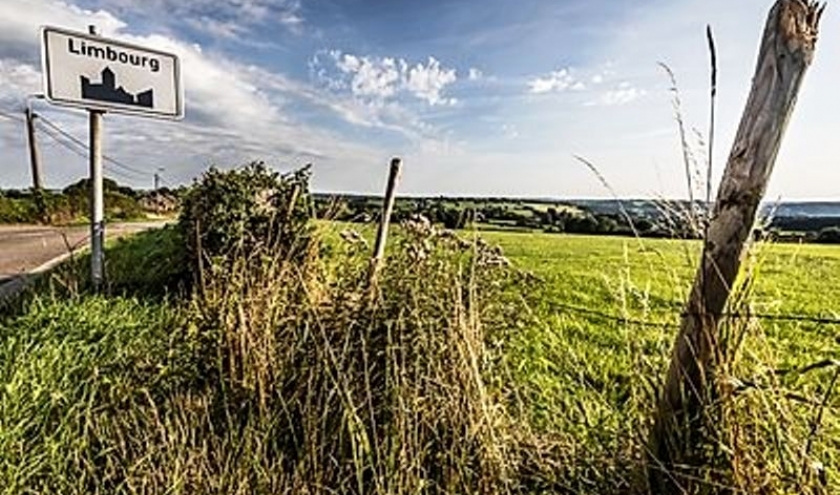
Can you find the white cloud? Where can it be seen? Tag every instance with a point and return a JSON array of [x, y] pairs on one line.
[[475, 74], [371, 78], [373, 114], [291, 20], [220, 29], [510, 131], [623, 94], [230, 18], [597, 79], [428, 81], [18, 79], [231, 115], [21, 19], [555, 82], [381, 79]]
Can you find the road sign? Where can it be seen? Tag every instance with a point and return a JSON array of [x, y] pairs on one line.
[[87, 71]]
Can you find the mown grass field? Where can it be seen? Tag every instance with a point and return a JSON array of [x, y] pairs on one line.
[[647, 281], [580, 371]]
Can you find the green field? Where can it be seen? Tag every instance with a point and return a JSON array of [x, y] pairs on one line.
[[648, 279], [579, 369]]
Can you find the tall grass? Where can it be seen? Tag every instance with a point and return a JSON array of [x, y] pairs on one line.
[[381, 389], [280, 374]]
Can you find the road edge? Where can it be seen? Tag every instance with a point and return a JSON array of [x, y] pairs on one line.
[[12, 288]]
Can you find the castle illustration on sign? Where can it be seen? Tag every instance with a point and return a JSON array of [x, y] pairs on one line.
[[107, 90]]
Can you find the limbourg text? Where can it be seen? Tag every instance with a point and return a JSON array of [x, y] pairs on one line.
[[80, 47]]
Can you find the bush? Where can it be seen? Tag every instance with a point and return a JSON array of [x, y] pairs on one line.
[[229, 212], [829, 235], [17, 210]]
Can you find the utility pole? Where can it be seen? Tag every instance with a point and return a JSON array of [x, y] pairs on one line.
[[34, 159], [97, 201], [35, 163], [158, 178]]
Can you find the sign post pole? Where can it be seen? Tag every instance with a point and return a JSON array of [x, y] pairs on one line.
[[97, 200]]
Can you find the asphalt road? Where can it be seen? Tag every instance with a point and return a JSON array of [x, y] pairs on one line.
[[26, 247]]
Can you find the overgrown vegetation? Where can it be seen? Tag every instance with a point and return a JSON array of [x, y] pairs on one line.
[[71, 204], [247, 209], [273, 365]]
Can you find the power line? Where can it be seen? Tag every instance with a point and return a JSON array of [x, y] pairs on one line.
[[81, 153], [51, 132], [84, 146], [78, 141], [11, 116]]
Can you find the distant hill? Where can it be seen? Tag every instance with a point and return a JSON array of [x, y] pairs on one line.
[[654, 208], [804, 209]]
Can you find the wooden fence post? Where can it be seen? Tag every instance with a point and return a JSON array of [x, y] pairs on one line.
[[786, 51], [387, 210]]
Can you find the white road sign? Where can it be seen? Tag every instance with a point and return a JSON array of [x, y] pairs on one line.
[[88, 71]]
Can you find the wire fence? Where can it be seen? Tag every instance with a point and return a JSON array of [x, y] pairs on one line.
[[116, 167], [817, 320]]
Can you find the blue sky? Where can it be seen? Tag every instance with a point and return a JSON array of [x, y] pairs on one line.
[[486, 97]]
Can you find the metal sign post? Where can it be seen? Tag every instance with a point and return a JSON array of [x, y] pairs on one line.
[[97, 196], [97, 200]]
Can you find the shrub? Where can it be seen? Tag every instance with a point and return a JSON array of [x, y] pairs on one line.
[[829, 235], [238, 210]]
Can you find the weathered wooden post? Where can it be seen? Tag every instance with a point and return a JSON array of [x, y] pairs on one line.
[[387, 210], [786, 51], [384, 222]]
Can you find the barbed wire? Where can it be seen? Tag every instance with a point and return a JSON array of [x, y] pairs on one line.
[[819, 320]]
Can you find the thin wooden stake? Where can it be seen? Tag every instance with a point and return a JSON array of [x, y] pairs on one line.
[[387, 210], [786, 51]]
